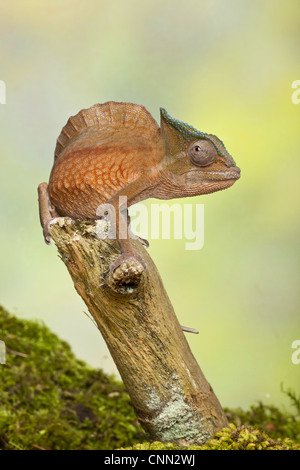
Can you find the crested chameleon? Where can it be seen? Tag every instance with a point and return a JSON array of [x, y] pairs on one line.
[[115, 151]]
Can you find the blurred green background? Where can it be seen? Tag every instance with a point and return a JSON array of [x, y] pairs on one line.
[[225, 67]]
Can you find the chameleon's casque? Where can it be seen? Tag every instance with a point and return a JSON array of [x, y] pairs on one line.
[[118, 149]]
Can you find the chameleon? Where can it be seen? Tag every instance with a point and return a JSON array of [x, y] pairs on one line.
[[115, 152]]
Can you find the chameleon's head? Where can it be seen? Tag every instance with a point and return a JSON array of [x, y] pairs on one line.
[[197, 162]]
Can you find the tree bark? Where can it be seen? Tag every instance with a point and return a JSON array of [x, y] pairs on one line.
[[171, 397]]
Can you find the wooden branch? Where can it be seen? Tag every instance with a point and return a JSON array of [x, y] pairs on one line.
[[171, 397]]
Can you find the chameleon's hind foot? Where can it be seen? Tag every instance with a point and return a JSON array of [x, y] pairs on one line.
[[48, 213], [46, 231], [61, 221]]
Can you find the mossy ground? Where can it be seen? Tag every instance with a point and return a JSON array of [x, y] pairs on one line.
[[51, 400], [230, 438]]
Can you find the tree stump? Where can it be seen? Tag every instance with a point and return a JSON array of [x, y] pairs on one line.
[[171, 397]]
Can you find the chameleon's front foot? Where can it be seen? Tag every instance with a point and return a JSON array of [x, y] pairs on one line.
[[129, 259], [143, 241], [126, 272], [133, 236]]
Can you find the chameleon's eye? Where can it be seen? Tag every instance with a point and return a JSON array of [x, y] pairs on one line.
[[202, 153]]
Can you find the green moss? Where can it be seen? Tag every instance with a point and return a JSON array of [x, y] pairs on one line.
[[51, 400], [246, 438], [230, 438], [270, 419]]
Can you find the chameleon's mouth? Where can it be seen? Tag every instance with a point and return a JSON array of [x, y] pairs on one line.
[[232, 173], [217, 181]]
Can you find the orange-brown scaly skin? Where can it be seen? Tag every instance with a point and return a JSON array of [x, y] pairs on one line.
[[117, 149], [92, 169]]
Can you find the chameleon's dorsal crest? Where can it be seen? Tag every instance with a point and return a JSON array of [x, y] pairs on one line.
[[178, 134], [104, 118]]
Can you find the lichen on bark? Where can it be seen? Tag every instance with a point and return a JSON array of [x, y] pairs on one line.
[[137, 321]]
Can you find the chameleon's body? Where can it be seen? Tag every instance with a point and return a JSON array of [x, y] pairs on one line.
[[117, 149]]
